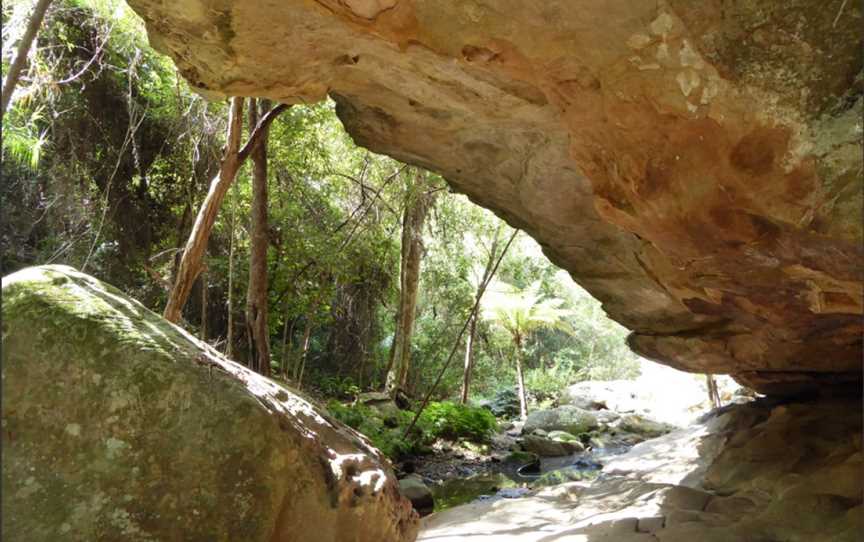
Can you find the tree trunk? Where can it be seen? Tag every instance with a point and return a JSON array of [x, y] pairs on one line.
[[469, 360], [520, 381], [419, 202], [472, 330], [392, 354], [204, 304], [713, 392], [287, 332], [256, 295], [301, 365], [190, 264], [229, 346], [17, 65]]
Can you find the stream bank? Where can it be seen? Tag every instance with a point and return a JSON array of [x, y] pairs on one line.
[[765, 470], [594, 423]]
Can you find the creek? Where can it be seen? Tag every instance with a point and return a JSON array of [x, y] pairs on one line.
[[512, 481]]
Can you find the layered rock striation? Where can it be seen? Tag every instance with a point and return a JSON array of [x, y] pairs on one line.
[[697, 166]]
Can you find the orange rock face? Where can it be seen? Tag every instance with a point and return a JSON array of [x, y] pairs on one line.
[[697, 166]]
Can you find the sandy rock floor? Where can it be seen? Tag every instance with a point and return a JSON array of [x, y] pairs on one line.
[[756, 472]]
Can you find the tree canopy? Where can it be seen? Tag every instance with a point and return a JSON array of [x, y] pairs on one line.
[[107, 158]]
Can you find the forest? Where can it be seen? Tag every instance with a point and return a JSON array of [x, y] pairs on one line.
[[225, 317], [264, 230], [326, 266]]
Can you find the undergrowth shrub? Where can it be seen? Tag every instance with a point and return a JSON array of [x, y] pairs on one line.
[[453, 421], [444, 420], [384, 434]]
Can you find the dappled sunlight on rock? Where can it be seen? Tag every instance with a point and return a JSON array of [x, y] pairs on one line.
[[732, 477], [694, 165], [659, 393], [110, 412]]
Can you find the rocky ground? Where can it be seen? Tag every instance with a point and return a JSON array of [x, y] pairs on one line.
[[592, 423], [758, 471]]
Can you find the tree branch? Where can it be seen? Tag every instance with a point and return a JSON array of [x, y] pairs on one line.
[[256, 136], [17, 65]]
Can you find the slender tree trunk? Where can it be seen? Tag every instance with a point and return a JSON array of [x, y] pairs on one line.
[[300, 366], [392, 354], [190, 264], [469, 359], [307, 334], [419, 203], [256, 295], [17, 65], [520, 381], [286, 346], [204, 304], [472, 330], [713, 392], [229, 346]]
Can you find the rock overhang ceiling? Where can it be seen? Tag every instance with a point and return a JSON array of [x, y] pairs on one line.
[[697, 166]]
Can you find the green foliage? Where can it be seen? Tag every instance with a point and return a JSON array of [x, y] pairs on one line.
[[384, 434], [107, 156], [575, 341], [453, 421], [336, 386], [444, 420], [545, 383], [87, 158], [521, 312], [351, 416]]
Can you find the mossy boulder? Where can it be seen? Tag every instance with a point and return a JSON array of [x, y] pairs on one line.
[[640, 425], [521, 457], [571, 419], [118, 425], [416, 490], [382, 403], [555, 444]]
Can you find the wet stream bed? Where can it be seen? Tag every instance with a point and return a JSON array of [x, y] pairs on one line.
[[512, 481]]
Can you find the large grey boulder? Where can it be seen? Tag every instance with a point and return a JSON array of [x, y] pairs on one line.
[[639, 425], [415, 490], [381, 403], [616, 395], [571, 419], [552, 444], [118, 425]]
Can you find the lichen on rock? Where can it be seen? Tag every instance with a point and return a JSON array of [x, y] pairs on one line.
[[118, 425]]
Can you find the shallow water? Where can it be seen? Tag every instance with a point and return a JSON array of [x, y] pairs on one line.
[[508, 483]]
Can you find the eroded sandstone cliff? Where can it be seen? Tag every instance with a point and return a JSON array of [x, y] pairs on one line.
[[697, 166]]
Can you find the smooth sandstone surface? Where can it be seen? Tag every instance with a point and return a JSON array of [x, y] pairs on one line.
[[697, 166], [117, 425]]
